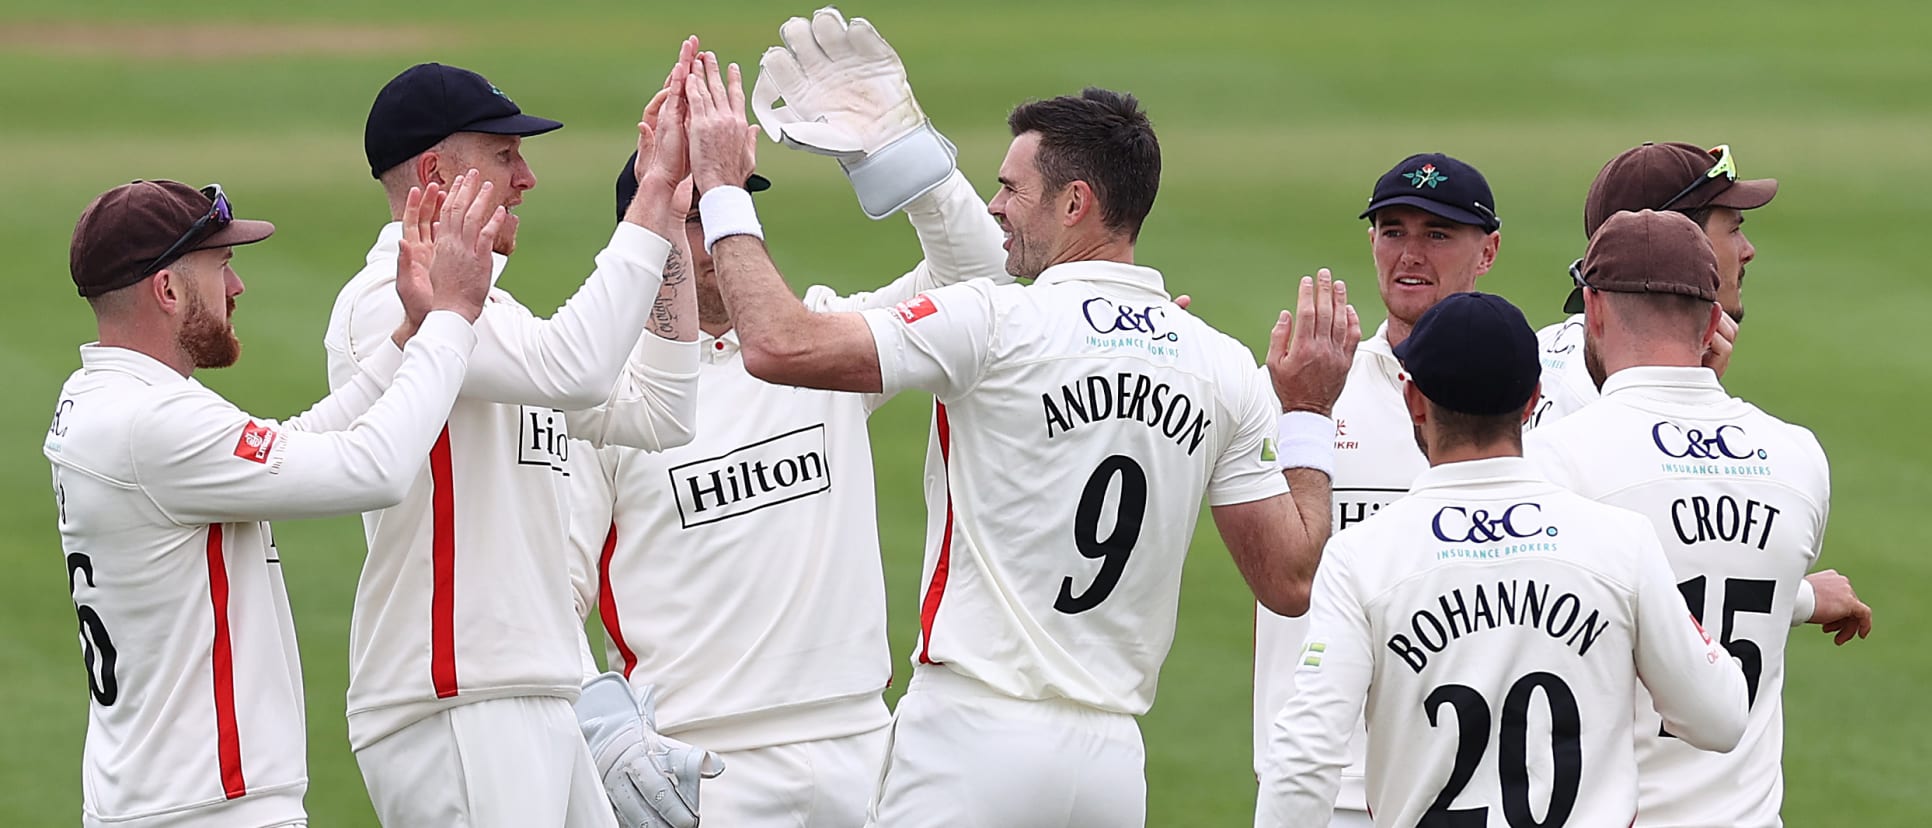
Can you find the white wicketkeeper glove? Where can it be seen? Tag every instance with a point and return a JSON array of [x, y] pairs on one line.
[[846, 96], [652, 780]]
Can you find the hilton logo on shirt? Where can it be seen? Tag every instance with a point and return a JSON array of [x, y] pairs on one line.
[[542, 438], [1353, 505], [744, 480]]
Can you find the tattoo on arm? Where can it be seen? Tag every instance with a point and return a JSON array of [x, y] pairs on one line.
[[664, 315]]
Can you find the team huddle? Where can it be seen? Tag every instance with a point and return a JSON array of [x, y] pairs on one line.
[[1502, 577]]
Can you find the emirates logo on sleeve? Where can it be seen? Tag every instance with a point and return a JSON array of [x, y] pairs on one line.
[[256, 442], [915, 309]]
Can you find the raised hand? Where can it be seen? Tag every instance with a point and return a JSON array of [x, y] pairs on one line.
[[1310, 351], [844, 88], [466, 229], [846, 96], [413, 257], [661, 145], [716, 126]]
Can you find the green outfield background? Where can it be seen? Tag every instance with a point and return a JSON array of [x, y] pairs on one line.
[[1275, 119]]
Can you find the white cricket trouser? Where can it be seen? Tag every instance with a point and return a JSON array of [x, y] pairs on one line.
[[818, 784], [1350, 819], [964, 755], [518, 762]]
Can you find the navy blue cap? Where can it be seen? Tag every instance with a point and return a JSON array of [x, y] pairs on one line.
[[627, 184], [429, 102], [1473, 353], [1437, 184]]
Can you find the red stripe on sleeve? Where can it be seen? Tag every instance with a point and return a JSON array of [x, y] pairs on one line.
[[227, 733], [442, 601], [936, 588], [607, 604]]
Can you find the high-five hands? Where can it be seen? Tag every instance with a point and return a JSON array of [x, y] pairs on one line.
[[846, 96], [720, 136], [465, 232], [1309, 352], [413, 256], [443, 261], [661, 146]]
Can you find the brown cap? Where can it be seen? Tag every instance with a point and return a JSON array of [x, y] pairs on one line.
[[1651, 252], [124, 232], [1646, 176]]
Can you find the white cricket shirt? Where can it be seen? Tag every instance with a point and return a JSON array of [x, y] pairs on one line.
[[163, 487], [465, 594], [740, 574], [1739, 499], [1375, 460], [1493, 627], [1078, 423], [1567, 386]]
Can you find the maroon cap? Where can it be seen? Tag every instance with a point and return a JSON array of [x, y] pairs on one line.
[[124, 233], [1645, 177], [1651, 252]]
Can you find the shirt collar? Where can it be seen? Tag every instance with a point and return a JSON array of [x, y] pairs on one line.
[[1689, 383], [1120, 273], [96, 357], [718, 348], [389, 246], [1379, 343], [1490, 470], [1377, 348]]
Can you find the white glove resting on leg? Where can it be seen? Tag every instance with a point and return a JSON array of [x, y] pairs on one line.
[[652, 780]]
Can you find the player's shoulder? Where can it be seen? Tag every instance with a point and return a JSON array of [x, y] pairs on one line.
[[1793, 438], [111, 418], [1579, 429], [1562, 337]]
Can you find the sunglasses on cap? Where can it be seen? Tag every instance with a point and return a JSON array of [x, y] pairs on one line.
[[219, 215], [1726, 166]]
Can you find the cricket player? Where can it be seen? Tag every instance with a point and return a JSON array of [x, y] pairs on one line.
[[1738, 499], [1077, 425], [1673, 176], [1433, 231], [164, 490], [1492, 625], [1703, 186], [466, 656], [738, 577]]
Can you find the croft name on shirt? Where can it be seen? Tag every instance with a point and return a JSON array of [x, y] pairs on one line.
[[1126, 396], [1724, 518], [1521, 603]]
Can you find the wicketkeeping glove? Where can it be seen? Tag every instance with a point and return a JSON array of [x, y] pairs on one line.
[[846, 96], [652, 780]]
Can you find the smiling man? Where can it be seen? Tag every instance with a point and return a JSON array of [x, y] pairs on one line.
[[1433, 230], [465, 646], [1058, 513]]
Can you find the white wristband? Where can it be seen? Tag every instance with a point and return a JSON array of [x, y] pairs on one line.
[[1306, 440], [727, 211]]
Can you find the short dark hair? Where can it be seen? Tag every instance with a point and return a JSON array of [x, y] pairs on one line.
[[1455, 428], [1659, 315], [1103, 138], [1700, 215]]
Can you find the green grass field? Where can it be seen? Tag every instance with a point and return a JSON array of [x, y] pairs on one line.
[[1276, 119]]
